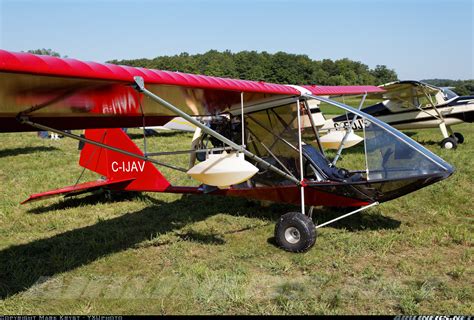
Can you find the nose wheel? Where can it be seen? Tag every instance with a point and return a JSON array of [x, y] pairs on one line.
[[449, 143], [295, 232]]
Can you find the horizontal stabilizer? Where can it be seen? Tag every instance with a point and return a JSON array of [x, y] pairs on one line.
[[79, 188]]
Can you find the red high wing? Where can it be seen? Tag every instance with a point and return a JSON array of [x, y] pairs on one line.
[[72, 68], [341, 90], [72, 94]]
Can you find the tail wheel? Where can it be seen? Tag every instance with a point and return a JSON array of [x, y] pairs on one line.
[[295, 232], [459, 137], [449, 143]]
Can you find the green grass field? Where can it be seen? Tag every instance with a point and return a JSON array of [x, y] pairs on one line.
[[173, 254]]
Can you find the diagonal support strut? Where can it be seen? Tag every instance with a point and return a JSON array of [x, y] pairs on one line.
[[140, 86]]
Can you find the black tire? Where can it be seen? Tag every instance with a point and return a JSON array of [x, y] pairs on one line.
[[449, 143], [459, 137], [295, 232]]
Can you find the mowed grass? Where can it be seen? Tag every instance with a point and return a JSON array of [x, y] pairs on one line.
[[172, 254]]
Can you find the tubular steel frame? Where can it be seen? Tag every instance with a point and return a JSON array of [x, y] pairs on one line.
[[139, 86]]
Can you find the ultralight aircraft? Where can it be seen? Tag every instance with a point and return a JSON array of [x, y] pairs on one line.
[[249, 141]]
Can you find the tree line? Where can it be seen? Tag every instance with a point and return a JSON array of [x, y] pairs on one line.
[[461, 87], [279, 67]]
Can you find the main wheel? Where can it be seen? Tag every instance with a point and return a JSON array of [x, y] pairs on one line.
[[295, 232], [459, 137], [449, 143]]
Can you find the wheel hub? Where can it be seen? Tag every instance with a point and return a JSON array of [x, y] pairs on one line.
[[292, 235]]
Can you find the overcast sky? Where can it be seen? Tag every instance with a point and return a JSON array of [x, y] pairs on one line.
[[420, 39]]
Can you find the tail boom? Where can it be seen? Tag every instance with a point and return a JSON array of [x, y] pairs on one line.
[[119, 171]]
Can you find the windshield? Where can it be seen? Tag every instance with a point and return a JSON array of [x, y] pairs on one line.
[[390, 132], [382, 153], [389, 157], [449, 94]]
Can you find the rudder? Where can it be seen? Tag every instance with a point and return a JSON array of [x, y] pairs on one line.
[[118, 166]]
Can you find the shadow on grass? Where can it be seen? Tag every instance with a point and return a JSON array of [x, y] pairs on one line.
[[410, 133], [91, 199], [359, 221], [201, 238], [22, 265], [25, 150], [422, 141], [429, 142]]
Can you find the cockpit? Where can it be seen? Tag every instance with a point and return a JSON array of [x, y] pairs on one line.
[[384, 158]]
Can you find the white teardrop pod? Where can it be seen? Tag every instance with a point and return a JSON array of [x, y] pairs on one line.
[[333, 139], [223, 169]]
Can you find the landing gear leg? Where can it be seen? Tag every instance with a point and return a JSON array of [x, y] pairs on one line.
[[444, 129]]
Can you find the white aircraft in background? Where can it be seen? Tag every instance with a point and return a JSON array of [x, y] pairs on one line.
[[177, 123], [406, 105]]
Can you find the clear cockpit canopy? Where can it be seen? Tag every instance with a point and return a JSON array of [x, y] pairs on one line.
[[389, 154], [382, 153]]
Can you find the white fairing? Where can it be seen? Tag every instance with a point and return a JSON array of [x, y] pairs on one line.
[[177, 123], [223, 170], [333, 139]]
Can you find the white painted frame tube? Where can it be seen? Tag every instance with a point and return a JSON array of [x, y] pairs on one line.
[[347, 214], [300, 147], [242, 120]]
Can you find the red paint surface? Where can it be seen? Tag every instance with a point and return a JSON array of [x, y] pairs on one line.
[[341, 90], [114, 165], [87, 186], [283, 194], [53, 66]]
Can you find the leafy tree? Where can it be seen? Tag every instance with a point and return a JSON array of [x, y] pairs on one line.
[[461, 87], [279, 67], [45, 52], [384, 75]]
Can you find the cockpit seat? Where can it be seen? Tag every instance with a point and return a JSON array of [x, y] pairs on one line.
[[324, 165]]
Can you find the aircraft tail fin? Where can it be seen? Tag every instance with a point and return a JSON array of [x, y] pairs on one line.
[[120, 172], [114, 165]]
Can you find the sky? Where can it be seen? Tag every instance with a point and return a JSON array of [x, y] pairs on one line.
[[420, 39]]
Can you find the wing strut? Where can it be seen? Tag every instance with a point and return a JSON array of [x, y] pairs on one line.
[[140, 86]]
